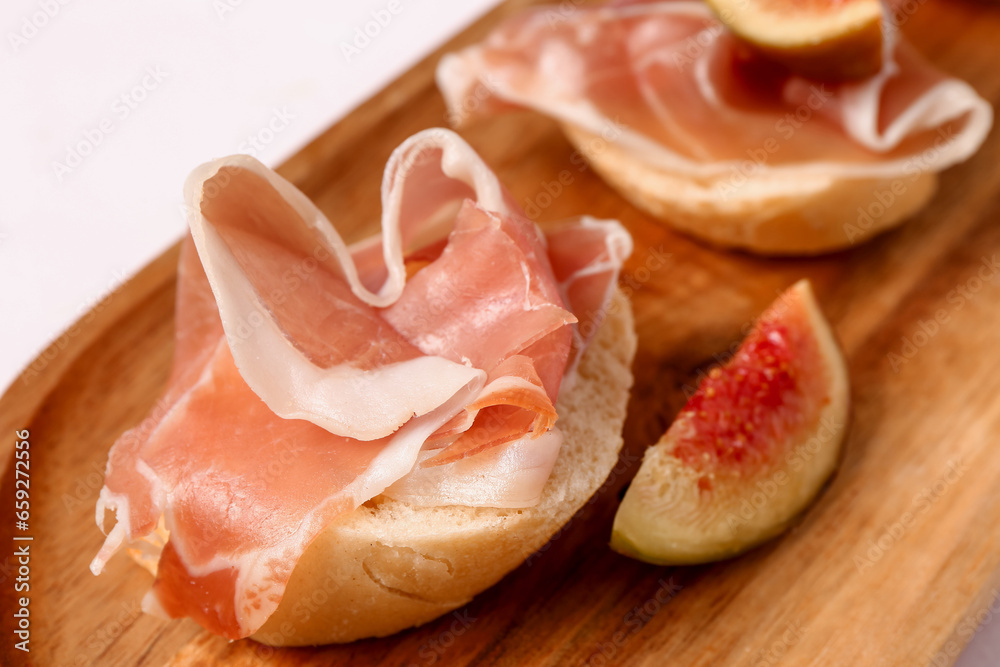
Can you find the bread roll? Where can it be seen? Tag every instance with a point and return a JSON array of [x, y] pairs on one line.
[[771, 214], [388, 565]]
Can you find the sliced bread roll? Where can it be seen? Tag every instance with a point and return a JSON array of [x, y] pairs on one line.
[[388, 565], [773, 215]]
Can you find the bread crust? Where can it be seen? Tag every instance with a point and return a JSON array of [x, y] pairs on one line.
[[388, 565], [803, 215]]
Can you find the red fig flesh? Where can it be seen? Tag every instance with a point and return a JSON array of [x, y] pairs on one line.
[[750, 450]]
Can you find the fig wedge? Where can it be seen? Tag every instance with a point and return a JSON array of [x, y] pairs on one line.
[[833, 40], [750, 450]]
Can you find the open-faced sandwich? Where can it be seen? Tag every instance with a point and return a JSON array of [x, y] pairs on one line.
[[396, 423], [743, 126]]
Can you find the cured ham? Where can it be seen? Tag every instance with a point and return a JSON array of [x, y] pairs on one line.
[[666, 81], [311, 376]]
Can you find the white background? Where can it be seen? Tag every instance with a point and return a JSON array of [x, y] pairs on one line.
[[227, 69], [199, 79]]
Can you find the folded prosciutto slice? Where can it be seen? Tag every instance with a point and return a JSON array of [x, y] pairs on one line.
[[667, 82], [311, 376]]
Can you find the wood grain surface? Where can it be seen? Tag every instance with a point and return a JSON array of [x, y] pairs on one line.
[[895, 564]]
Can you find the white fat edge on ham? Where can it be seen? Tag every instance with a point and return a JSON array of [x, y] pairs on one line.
[[497, 387], [118, 503], [256, 579], [514, 475], [509, 476], [947, 101], [605, 265], [119, 534], [254, 568], [339, 398], [394, 461], [462, 75]]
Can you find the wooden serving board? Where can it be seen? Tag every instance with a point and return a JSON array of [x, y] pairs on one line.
[[893, 565]]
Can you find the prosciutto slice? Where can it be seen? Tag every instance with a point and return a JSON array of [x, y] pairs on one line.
[[311, 376], [666, 81]]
